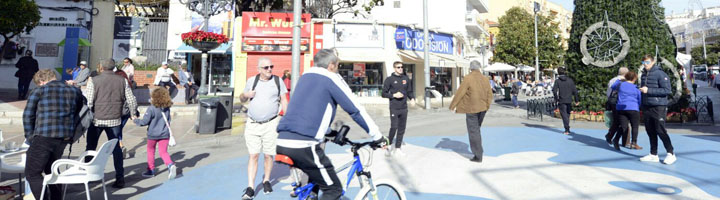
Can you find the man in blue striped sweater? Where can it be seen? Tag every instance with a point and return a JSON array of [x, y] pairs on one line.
[[308, 118]]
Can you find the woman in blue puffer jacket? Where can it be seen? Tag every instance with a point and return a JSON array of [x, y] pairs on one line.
[[628, 108]]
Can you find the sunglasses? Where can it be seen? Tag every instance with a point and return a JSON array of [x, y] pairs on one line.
[[268, 67], [645, 62], [398, 67]]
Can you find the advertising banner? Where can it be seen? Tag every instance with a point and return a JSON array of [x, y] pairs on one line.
[[359, 70], [412, 39], [359, 35], [220, 23], [263, 24]]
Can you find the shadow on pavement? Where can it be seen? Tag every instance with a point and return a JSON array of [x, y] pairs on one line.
[[587, 140], [133, 174], [461, 148]]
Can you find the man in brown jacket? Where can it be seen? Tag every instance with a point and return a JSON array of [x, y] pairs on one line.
[[474, 98]]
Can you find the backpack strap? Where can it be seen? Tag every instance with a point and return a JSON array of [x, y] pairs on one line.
[[257, 78], [277, 83]]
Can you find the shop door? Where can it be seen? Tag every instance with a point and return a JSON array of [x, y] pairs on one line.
[[281, 63]]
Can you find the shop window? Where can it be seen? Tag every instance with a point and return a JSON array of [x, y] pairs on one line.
[[221, 70], [441, 78], [364, 79]]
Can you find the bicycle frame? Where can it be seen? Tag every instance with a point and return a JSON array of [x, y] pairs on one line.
[[356, 169]]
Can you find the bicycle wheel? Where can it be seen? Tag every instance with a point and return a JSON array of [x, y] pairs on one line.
[[385, 190]]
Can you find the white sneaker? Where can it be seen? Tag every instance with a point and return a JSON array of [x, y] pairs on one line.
[[173, 172], [670, 159], [398, 152], [650, 158]]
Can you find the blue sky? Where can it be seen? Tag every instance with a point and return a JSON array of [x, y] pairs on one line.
[[670, 5]]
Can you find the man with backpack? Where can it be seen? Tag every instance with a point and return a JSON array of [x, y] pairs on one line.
[[49, 120], [266, 94]]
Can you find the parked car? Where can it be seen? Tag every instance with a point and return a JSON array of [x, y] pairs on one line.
[[700, 72]]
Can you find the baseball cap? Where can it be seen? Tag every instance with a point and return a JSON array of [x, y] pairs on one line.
[[83, 63], [164, 63]]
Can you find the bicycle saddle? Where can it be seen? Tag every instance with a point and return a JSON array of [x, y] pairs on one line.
[[283, 159]]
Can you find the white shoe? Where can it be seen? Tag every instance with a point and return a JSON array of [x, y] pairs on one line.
[[173, 172], [670, 159], [398, 152], [650, 158]]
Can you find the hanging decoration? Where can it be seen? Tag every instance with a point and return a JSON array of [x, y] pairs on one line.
[[604, 44]]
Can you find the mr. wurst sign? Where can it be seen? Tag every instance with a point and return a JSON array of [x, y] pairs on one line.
[[262, 24]]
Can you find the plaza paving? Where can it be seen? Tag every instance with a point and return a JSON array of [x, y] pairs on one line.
[[524, 159]]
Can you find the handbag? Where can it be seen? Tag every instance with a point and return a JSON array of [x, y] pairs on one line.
[[612, 99], [172, 142]]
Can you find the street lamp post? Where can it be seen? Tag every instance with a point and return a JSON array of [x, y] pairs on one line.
[[206, 8], [537, 50]]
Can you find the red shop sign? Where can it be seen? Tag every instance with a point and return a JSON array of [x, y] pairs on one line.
[[263, 24]]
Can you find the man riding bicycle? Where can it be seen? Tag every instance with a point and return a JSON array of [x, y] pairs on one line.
[[308, 119]]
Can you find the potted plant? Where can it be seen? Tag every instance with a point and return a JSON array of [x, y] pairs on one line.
[[203, 41]]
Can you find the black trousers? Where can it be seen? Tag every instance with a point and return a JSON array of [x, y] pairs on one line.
[[322, 173], [189, 87], [42, 153], [398, 121], [23, 88], [655, 127], [565, 109], [474, 123], [625, 117], [613, 124], [93, 135]]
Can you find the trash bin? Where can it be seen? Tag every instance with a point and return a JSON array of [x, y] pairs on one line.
[[207, 115], [507, 93], [225, 107]]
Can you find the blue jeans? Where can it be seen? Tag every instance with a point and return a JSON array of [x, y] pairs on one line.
[[515, 101], [124, 120], [93, 135]]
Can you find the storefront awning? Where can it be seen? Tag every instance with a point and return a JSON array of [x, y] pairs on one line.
[[222, 49], [81, 42], [436, 59]]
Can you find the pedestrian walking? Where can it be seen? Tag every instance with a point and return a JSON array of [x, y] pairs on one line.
[[655, 88], [317, 94], [610, 108], [628, 109], [49, 122], [398, 89], [157, 118], [564, 90], [129, 69], [267, 95], [717, 81], [126, 114], [80, 75], [107, 94], [27, 67], [163, 78], [473, 98], [514, 91], [188, 82]]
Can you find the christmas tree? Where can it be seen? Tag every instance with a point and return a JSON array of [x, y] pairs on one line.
[[647, 32]]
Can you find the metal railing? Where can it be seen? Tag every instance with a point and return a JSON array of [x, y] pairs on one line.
[[704, 110], [538, 107]]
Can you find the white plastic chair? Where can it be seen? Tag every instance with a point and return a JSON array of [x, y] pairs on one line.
[[16, 168], [81, 172]]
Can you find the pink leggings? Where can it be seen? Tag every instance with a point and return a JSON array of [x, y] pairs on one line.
[[163, 146]]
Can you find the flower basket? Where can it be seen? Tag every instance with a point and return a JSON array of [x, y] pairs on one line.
[[204, 46], [203, 41]]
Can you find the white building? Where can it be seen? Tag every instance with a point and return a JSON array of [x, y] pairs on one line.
[[691, 29], [56, 16], [395, 32]]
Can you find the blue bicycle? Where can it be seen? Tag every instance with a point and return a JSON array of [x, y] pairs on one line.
[[369, 189]]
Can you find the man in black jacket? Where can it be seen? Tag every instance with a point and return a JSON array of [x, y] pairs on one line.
[[27, 67], [564, 90], [398, 89], [655, 88]]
